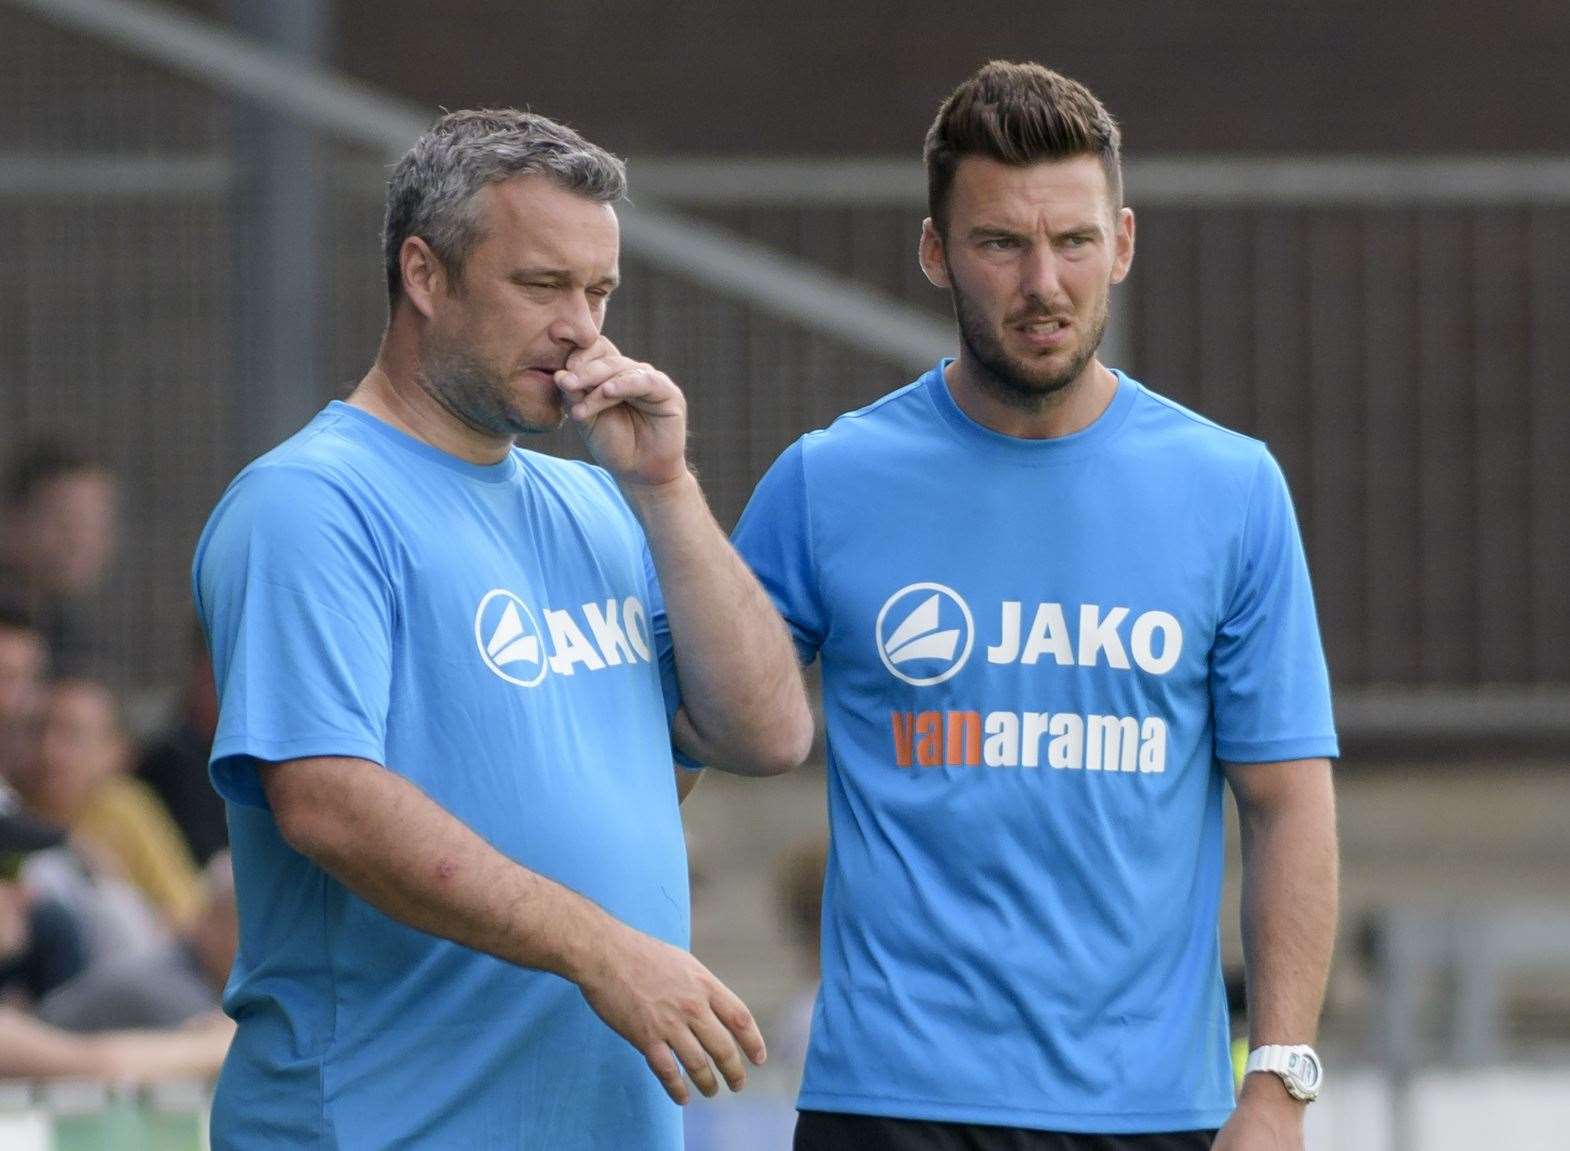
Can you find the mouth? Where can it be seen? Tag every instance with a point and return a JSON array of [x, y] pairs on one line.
[[1045, 331]]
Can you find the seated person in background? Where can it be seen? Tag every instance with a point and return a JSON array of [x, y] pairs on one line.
[[174, 762], [40, 945], [79, 780], [165, 987], [30, 1049], [24, 659], [57, 540]]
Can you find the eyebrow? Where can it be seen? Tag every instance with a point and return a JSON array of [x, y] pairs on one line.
[[988, 231], [560, 276]]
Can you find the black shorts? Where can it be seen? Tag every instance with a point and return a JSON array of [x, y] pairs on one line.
[[834, 1131]]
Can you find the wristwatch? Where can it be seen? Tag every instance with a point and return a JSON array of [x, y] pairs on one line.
[[1299, 1068]]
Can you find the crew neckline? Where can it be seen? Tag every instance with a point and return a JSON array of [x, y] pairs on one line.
[[499, 472], [1017, 447]]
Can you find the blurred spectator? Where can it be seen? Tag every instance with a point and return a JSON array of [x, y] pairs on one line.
[[113, 917], [174, 763], [40, 945], [57, 538], [799, 894], [78, 779], [163, 988], [23, 660], [30, 1049]]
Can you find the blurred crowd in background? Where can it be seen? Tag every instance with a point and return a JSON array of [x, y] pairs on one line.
[[117, 911]]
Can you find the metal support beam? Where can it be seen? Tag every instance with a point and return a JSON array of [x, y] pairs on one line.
[[1150, 181], [88, 176], [281, 292], [358, 114]]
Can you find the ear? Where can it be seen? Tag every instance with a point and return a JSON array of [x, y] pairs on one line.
[[1124, 241], [930, 253], [424, 276]]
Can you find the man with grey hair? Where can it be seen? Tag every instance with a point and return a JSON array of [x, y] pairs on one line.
[[451, 675]]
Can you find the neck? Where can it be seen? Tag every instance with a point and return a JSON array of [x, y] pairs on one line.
[[391, 391], [992, 404]]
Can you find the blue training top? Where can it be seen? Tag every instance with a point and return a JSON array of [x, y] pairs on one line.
[[495, 635], [1035, 652]]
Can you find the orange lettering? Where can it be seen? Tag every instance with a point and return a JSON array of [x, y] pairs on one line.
[[904, 724], [929, 748], [964, 739]]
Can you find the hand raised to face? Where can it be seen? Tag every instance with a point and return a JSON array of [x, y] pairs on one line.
[[631, 415]]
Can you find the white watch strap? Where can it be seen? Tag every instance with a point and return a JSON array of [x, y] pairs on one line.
[[1268, 1058], [1297, 1065]]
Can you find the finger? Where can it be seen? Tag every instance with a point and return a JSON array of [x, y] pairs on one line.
[[577, 384], [717, 1041], [587, 373], [732, 1012], [600, 348], [640, 386], [663, 1064], [690, 1051]]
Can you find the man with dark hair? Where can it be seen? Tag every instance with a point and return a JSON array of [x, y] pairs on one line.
[[450, 672], [1056, 614], [57, 539], [24, 660]]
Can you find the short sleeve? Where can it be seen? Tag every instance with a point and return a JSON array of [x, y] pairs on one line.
[[1270, 687], [299, 614], [665, 653], [774, 537]]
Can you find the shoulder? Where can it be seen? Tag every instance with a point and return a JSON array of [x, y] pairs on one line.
[[886, 416], [1160, 428], [891, 426], [1159, 415], [319, 470]]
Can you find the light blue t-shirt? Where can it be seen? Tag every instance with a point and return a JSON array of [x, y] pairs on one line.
[[496, 636], [1034, 654]]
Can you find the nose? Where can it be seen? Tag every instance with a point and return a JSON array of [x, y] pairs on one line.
[[1039, 278], [575, 322]]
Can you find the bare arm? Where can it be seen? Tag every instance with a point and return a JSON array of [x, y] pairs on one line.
[[389, 843], [744, 702], [1288, 820], [30, 1049], [745, 706]]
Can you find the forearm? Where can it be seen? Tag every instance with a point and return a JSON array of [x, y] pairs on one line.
[[30, 1049], [1290, 879], [393, 846], [195, 1052], [741, 686]]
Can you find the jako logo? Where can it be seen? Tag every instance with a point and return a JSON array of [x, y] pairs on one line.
[[515, 646], [925, 633], [509, 637]]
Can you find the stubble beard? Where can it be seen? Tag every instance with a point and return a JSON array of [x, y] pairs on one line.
[[1009, 379], [474, 393]]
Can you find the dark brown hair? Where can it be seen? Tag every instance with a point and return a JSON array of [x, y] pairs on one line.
[[1018, 114]]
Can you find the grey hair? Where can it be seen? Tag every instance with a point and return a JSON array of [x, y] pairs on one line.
[[431, 193]]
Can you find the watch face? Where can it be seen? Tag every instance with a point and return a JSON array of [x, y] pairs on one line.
[[1303, 1067]]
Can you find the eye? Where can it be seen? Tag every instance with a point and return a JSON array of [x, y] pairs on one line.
[[999, 243]]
